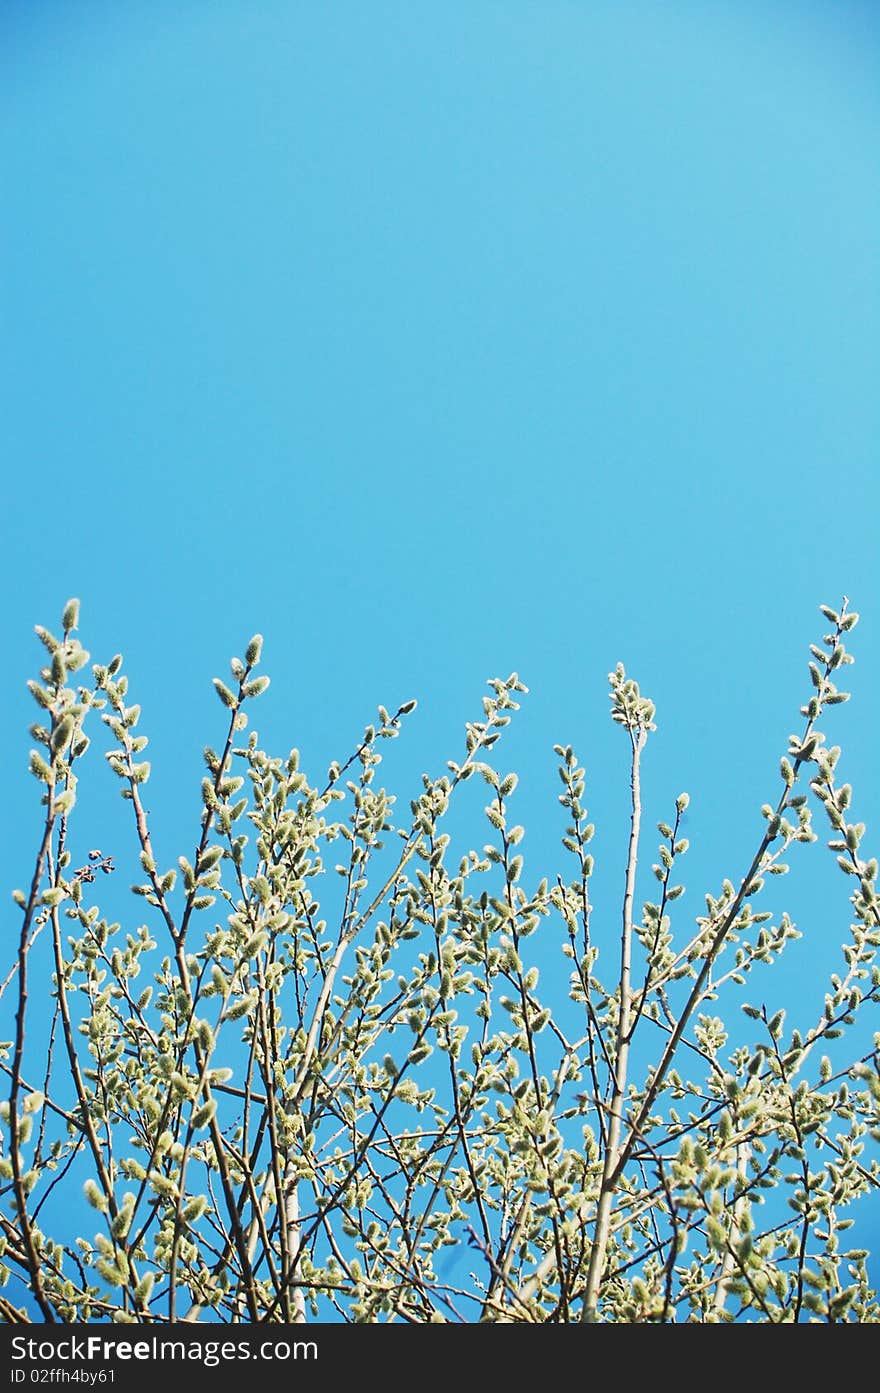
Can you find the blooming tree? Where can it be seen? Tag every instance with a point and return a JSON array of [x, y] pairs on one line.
[[317, 1059]]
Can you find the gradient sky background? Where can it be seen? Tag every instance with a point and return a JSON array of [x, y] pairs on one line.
[[438, 340]]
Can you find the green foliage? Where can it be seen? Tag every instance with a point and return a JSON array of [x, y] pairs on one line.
[[327, 1058]]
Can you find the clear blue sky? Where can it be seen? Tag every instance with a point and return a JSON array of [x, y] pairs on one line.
[[435, 340]]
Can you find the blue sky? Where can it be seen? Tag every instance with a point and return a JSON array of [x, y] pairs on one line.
[[439, 340]]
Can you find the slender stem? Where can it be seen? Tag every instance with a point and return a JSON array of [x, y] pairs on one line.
[[729, 1263], [610, 1170], [218, 1145], [293, 1296], [345, 938], [33, 1257]]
